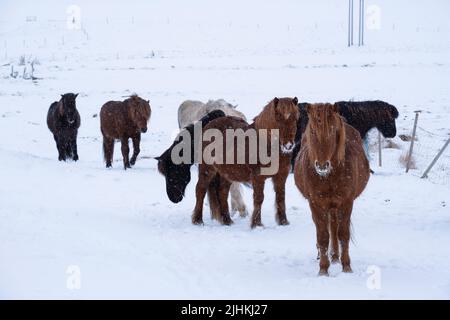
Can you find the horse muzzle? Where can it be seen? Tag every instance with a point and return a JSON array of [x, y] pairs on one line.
[[144, 130], [323, 170], [287, 147]]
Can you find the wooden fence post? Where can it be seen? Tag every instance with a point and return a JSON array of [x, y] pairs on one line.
[[412, 141], [379, 150]]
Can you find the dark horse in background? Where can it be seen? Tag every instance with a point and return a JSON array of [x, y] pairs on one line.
[[178, 176], [361, 115], [63, 120]]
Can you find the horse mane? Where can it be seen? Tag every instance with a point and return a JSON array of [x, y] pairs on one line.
[[342, 139], [265, 119], [342, 135], [190, 128], [138, 106]]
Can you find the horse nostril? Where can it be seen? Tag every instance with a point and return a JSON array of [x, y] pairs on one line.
[[328, 164], [316, 163]]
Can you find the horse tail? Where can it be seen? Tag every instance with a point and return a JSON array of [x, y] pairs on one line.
[[352, 234], [213, 197], [104, 149]]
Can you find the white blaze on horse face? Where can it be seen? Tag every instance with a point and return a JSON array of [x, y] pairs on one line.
[[324, 170], [287, 147]]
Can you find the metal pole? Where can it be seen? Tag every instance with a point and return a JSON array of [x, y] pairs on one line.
[[359, 22], [362, 24], [351, 25], [349, 22], [412, 141], [425, 174], [379, 149]]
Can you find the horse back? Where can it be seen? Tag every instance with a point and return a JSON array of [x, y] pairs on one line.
[[51, 116], [189, 112], [113, 119]]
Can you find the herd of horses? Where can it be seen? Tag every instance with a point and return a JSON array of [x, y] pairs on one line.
[[322, 143]]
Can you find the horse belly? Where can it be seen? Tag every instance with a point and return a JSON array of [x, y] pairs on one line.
[[235, 172]]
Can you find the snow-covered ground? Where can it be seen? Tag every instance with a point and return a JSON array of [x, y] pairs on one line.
[[120, 231]]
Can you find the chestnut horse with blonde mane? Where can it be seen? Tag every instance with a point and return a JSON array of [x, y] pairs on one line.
[[331, 171], [280, 114]]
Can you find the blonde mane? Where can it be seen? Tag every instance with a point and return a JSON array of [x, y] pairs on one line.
[[325, 128]]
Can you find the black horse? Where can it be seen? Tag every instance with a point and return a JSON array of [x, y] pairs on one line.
[[63, 120], [178, 176], [362, 115]]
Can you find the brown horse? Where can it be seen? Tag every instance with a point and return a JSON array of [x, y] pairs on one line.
[[123, 120], [331, 171], [281, 114]]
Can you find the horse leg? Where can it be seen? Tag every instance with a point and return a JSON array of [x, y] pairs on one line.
[[204, 178], [74, 147], [213, 197], [279, 182], [344, 235], [224, 190], [136, 142], [125, 153], [258, 198], [320, 218], [68, 147], [108, 150], [59, 146], [333, 227], [237, 203]]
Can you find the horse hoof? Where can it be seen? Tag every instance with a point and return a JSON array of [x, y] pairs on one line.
[[283, 222], [75, 158], [324, 273], [334, 259], [227, 221], [347, 269], [132, 162], [243, 212], [197, 222], [256, 224]]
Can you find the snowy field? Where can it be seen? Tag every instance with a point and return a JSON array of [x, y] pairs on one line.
[[118, 231]]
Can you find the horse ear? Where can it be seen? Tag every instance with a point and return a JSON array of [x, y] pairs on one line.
[[157, 158], [295, 100], [275, 101], [76, 95]]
